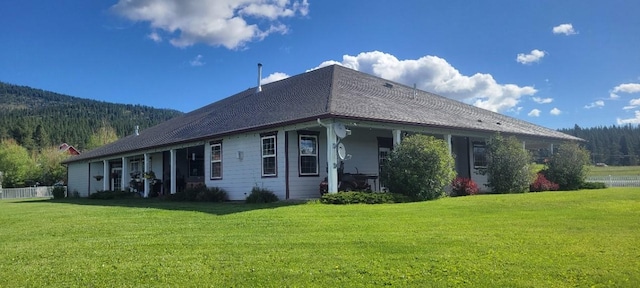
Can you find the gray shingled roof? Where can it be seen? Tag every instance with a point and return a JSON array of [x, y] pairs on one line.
[[332, 91]]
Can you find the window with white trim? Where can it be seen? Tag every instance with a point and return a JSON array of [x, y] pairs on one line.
[[479, 155], [268, 152], [216, 160], [308, 154]]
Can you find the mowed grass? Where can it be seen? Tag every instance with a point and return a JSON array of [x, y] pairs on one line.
[[551, 239], [614, 171]]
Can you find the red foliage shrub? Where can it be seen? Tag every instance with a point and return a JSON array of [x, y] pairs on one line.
[[542, 184], [463, 186]]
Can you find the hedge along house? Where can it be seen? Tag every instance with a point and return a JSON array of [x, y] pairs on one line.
[[283, 136]]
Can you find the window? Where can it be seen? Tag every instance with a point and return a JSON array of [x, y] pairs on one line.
[[479, 155], [308, 154], [269, 155], [216, 160]]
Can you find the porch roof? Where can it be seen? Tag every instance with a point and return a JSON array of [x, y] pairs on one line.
[[330, 92]]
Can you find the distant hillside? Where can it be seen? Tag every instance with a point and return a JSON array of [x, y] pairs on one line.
[[37, 118]]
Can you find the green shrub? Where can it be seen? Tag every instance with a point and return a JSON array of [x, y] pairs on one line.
[[117, 194], [59, 192], [261, 195], [362, 198], [213, 194], [568, 166], [199, 193], [508, 165], [420, 168], [593, 185]]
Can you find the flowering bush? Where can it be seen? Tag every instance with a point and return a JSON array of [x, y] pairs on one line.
[[463, 186], [542, 184]]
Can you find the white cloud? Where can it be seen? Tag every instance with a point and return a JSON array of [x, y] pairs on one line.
[[534, 113], [434, 74], [197, 61], [555, 111], [635, 120], [566, 29], [634, 102], [155, 37], [627, 88], [629, 107], [598, 103], [274, 77], [212, 22], [613, 96], [534, 56], [542, 100]]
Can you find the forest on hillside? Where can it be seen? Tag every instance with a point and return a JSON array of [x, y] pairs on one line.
[[37, 119], [612, 145]]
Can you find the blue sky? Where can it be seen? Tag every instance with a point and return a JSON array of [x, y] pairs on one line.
[[553, 63]]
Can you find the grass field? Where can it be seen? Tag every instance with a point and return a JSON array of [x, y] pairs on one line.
[[615, 171], [552, 239]]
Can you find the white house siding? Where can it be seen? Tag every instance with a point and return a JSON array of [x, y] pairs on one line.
[[239, 176], [78, 180], [305, 187], [95, 185]]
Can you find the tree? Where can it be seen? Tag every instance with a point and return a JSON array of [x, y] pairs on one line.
[[105, 135], [50, 169], [420, 167], [508, 165], [568, 166], [15, 163]]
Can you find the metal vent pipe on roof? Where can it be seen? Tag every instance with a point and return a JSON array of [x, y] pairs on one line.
[[259, 88], [137, 130]]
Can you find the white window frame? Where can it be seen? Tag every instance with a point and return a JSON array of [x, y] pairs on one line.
[[483, 146], [267, 156], [214, 161], [302, 154]]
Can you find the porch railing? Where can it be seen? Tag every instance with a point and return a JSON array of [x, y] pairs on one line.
[[616, 181], [27, 192]]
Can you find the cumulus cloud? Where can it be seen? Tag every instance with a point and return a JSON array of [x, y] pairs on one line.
[[624, 88], [534, 56], [534, 113], [434, 74], [155, 37], [212, 22], [555, 111], [634, 120], [566, 29], [542, 100], [627, 88], [274, 77], [634, 102], [598, 103], [197, 61]]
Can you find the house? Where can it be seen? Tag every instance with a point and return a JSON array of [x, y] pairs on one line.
[[66, 148], [287, 136]]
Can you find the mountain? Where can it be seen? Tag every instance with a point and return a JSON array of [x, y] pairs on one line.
[[37, 118]]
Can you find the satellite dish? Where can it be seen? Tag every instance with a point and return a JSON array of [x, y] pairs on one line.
[[342, 152], [339, 130]]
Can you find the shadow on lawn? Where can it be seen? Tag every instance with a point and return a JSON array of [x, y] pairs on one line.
[[225, 208]]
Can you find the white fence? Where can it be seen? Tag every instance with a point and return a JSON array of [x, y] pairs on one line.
[[28, 192], [616, 181]]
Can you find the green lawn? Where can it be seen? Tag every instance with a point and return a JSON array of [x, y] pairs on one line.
[[552, 239], [614, 171]]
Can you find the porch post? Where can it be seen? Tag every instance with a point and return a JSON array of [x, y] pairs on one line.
[[125, 174], [397, 137], [146, 169], [172, 164], [551, 148], [332, 160], [105, 175], [448, 139], [524, 145]]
